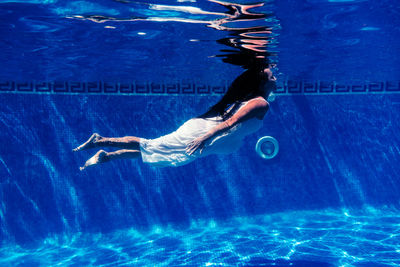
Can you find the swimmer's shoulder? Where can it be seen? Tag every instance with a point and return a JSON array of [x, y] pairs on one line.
[[259, 103], [257, 106], [252, 108]]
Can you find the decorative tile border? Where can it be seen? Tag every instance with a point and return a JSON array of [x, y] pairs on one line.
[[289, 87], [323, 87], [133, 88]]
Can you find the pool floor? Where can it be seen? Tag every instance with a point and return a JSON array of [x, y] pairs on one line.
[[297, 238]]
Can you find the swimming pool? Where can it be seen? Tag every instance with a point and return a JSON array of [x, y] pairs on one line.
[[329, 198]]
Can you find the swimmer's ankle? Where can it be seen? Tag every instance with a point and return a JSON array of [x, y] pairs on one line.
[[98, 139]]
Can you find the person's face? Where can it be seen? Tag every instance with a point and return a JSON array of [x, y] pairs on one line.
[[270, 84], [270, 75]]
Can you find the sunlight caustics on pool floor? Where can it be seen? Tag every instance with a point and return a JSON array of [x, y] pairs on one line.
[[303, 238]]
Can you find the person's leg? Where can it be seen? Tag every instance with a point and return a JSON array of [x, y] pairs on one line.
[[102, 156], [128, 142]]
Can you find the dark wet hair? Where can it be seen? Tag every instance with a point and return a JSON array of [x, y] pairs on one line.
[[245, 87]]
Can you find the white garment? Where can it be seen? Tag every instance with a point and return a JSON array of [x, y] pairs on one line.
[[170, 149]]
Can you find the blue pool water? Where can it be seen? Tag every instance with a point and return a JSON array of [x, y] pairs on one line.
[[329, 198]]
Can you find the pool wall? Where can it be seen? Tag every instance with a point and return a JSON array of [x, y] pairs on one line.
[[336, 151]]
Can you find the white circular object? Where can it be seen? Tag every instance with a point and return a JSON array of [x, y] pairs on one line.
[[267, 147]]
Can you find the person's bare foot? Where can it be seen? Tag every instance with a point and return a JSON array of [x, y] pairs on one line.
[[99, 157], [90, 143]]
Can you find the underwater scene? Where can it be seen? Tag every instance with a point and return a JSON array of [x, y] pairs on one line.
[[200, 133]]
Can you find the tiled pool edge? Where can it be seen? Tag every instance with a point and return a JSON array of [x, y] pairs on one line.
[[287, 87]]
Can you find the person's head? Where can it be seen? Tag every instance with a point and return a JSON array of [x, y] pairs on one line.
[[256, 81], [261, 83]]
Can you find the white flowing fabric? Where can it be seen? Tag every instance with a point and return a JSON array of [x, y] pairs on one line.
[[170, 149]]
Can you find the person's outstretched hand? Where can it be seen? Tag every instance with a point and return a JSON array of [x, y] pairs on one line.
[[194, 145]]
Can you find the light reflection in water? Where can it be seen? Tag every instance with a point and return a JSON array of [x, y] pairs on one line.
[[310, 238], [250, 42]]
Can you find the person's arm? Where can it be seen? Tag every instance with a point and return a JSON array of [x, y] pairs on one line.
[[254, 108]]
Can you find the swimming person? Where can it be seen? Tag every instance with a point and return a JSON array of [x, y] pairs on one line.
[[218, 131]]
